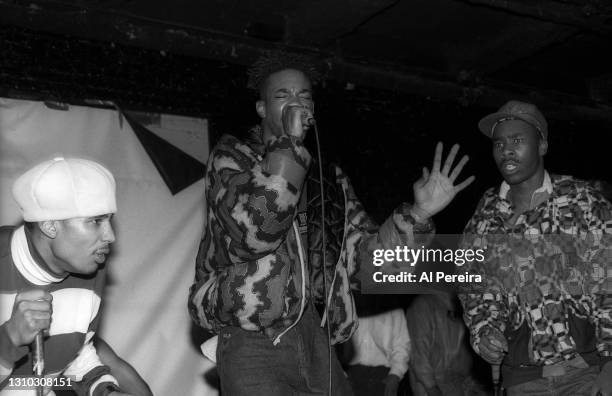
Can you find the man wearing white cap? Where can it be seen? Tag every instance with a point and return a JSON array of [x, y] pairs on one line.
[[544, 311], [52, 278]]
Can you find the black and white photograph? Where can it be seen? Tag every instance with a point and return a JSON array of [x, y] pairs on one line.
[[313, 198]]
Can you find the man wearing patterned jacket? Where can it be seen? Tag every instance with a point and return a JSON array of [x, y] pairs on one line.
[[52, 279], [260, 270], [543, 311]]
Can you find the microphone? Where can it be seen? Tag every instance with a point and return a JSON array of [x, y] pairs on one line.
[[495, 374], [307, 118], [310, 121], [38, 360]]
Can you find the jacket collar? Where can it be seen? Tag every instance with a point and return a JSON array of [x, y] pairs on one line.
[[255, 140], [540, 195], [28, 260]]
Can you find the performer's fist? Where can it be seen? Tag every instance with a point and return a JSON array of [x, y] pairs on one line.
[[31, 313], [493, 346]]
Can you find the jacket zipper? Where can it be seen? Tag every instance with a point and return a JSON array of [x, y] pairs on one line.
[[331, 287], [303, 270]]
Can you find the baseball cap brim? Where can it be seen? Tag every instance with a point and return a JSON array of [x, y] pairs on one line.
[[486, 124]]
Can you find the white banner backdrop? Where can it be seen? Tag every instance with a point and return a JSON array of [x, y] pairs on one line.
[[145, 316]]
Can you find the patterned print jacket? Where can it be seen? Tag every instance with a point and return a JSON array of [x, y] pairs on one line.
[[251, 268], [547, 278]]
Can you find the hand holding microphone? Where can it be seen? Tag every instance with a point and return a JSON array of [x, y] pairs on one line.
[[30, 317], [493, 346], [31, 314]]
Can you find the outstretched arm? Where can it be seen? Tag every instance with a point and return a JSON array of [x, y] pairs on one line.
[[129, 379]]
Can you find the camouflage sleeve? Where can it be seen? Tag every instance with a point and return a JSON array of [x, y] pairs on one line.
[[484, 308], [252, 200], [363, 235], [598, 254]]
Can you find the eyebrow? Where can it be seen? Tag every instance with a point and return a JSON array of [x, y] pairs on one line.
[[285, 90], [104, 216], [514, 135]]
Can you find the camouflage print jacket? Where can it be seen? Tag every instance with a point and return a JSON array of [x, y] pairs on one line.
[[251, 268], [548, 277]]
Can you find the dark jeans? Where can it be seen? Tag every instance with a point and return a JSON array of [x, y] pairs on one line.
[[249, 364], [367, 381], [576, 382]]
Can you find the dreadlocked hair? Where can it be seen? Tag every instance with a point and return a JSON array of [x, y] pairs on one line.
[[276, 61]]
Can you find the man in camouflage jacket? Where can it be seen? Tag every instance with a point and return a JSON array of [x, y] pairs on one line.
[[259, 269]]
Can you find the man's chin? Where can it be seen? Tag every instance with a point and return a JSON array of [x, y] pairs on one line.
[[511, 177], [89, 270]]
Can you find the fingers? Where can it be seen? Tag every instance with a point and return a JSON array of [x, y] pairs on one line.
[[422, 181], [458, 168], [437, 158], [450, 159], [464, 184], [491, 344], [496, 344], [36, 314], [32, 312], [32, 295], [491, 349], [491, 355], [425, 173]]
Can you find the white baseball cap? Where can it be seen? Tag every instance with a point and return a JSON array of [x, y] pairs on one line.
[[64, 188]]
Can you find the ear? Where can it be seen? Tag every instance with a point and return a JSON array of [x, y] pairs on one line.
[[543, 147], [260, 106], [49, 228]]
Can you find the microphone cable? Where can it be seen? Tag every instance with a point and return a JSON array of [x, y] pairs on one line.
[[323, 257]]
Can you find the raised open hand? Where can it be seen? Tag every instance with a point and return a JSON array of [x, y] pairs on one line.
[[436, 189]]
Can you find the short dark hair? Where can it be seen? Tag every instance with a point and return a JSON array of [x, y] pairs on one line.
[[276, 61]]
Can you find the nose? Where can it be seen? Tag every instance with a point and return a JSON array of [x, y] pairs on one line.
[[508, 150], [108, 233]]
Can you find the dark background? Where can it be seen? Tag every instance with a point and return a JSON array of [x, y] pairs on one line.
[[381, 138]]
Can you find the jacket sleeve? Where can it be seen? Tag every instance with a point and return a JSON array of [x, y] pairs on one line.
[[254, 201], [598, 257], [9, 354], [363, 236], [484, 307], [90, 376]]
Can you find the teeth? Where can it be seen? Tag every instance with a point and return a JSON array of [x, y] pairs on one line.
[[510, 167]]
